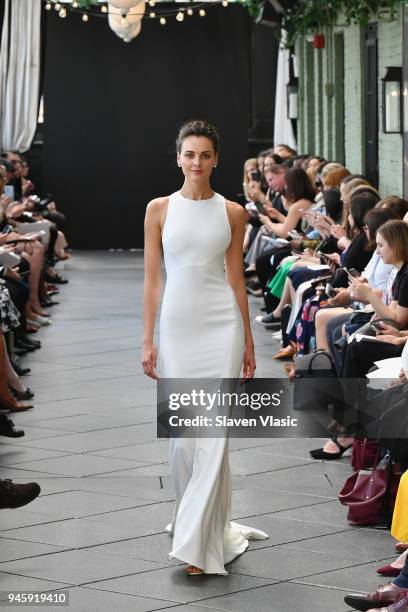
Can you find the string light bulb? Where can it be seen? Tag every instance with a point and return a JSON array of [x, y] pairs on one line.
[[63, 12], [202, 13], [152, 15], [180, 16], [85, 17], [162, 21], [57, 7], [152, 3], [75, 4], [190, 12], [104, 9], [48, 6], [225, 3]]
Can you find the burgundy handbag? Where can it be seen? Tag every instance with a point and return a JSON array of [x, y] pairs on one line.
[[364, 492], [364, 454]]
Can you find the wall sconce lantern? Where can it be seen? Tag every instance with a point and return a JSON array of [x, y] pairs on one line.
[[392, 101], [292, 99]]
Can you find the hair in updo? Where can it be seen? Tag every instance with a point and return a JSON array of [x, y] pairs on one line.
[[198, 127]]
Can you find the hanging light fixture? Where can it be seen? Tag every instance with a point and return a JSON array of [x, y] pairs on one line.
[[180, 16], [126, 23], [85, 17]]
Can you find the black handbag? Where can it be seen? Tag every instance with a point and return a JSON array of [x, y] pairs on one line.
[[316, 384]]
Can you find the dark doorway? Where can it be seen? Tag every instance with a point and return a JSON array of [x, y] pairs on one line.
[[371, 104], [112, 111], [339, 113]]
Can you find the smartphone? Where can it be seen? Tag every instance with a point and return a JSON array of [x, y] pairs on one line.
[[9, 191], [352, 273], [260, 208], [255, 175], [7, 229], [330, 291], [323, 257]]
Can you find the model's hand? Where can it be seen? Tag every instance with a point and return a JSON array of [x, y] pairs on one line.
[[149, 360], [248, 364]]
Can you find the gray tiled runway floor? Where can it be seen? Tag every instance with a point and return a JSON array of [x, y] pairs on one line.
[[98, 526]]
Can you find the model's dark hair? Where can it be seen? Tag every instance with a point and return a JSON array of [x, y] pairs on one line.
[[298, 185], [198, 127]]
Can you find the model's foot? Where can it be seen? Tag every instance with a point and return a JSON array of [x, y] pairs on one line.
[[192, 570]]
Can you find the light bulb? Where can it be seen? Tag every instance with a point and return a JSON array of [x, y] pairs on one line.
[[152, 3], [180, 16], [85, 17], [57, 6], [225, 3], [152, 15], [63, 13], [162, 21], [202, 13], [48, 6], [75, 4], [104, 9], [190, 12]]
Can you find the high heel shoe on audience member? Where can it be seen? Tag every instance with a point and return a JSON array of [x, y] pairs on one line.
[[8, 402], [8, 429], [319, 453], [22, 396], [389, 571], [401, 546], [268, 319], [285, 353], [20, 371], [55, 280]]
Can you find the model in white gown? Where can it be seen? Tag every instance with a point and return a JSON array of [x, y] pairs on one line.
[[202, 337]]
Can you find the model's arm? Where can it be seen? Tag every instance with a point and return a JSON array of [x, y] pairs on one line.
[[152, 283], [235, 277]]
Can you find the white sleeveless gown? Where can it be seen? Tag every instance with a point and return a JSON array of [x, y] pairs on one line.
[[201, 336]]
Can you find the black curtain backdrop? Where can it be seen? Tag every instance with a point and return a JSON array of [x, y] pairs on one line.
[[112, 111]]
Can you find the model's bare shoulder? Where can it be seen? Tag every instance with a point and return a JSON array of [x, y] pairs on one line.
[[236, 212], [158, 205]]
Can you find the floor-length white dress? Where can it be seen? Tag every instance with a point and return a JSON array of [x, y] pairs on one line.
[[202, 337]]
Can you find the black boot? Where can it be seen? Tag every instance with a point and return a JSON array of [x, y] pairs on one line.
[[17, 495]]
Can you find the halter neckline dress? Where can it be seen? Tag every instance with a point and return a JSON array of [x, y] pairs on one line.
[[201, 336]]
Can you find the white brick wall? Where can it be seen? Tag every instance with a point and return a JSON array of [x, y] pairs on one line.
[[390, 145]]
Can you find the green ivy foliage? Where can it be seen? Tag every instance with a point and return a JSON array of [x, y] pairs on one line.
[[313, 16]]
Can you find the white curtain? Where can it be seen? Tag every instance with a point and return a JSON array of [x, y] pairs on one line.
[[19, 74], [283, 132]]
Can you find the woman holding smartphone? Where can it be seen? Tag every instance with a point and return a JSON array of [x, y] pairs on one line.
[[204, 334], [392, 246]]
